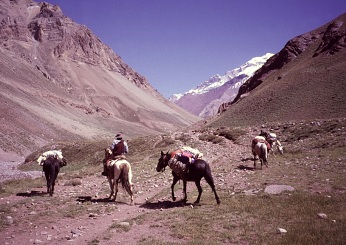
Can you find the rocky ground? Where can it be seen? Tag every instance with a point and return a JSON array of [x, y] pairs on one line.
[[36, 218], [86, 228], [9, 171]]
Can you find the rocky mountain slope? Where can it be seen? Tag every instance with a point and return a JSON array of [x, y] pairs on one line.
[[305, 80], [206, 98], [58, 81]]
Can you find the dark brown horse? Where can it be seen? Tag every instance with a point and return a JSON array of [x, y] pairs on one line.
[[51, 168], [197, 170]]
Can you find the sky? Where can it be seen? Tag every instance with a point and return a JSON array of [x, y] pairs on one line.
[[178, 44]]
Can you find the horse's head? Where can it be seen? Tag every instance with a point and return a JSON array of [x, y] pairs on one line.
[[108, 155], [63, 162], [163, 162]]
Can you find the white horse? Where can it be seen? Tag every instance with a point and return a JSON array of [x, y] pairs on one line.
[[118, 170], [260, 149]]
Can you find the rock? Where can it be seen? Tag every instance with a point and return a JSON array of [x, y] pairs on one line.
[[124, 224], [9, 220], [277, 189], [322, 215], [281, 231]]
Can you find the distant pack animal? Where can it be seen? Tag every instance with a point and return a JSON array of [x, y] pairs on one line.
[[51, 168], [119, 170], [261, 139], [198, 169], [260, 149], [273, 141], [52, 153]]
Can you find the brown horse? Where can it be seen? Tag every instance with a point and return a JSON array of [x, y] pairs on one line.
[[119, 170], [197, 170]]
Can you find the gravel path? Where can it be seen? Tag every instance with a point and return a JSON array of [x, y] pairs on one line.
[[9, 171]]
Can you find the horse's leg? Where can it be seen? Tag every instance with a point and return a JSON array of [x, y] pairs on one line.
[[254, 161], [127, 179], [46, 173], [49, 177], [117, 177], [51, 181], [55, 176], [184, 191], [272, 149], [175, 180], [131, 195], [210, 181], [115, 188], [198, 185], [111, 186]]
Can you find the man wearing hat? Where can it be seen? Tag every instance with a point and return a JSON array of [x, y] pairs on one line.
[[119, 148]]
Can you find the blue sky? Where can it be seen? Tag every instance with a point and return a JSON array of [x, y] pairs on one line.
[[178, 44]]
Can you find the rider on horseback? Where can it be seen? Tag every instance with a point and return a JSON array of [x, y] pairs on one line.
[[119, 148]]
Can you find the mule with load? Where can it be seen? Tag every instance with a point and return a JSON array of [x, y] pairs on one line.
[[197, 169], [51, 162]]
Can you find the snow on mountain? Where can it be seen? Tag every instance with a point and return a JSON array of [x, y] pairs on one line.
[[205, 99]]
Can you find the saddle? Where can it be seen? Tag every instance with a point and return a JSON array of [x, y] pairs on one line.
[[182, 158], [260, 139], [111, 162]]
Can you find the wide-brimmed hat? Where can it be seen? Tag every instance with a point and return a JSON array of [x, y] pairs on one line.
[[119, 136]]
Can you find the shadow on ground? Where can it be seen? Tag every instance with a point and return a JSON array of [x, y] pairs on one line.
[[164, 204], [32, 194], [243, 167]]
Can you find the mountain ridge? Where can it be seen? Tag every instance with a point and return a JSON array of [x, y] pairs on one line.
[[306, 80], [59, 82], [209, 95]]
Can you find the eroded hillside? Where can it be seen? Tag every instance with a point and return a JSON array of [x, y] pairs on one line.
[[58, 82]]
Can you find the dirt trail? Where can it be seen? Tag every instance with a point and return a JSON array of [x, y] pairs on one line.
[[96, 227]]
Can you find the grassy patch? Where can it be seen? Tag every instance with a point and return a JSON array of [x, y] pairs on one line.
[[210, 138], [230, 133], [255, 219], [20, 186]]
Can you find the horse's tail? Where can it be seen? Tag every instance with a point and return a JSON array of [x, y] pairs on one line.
[[126, 178], [208, 176], [264, 153], [210, 180]]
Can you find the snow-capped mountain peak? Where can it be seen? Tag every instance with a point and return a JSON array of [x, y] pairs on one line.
[[231, 80]]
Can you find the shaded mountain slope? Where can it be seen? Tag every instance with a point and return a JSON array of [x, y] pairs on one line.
[[305, 80], [58, 81]]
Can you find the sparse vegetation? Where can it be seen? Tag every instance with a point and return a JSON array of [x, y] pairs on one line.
[[231, 133], [73, 182], [211, 138], [313, 165]]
